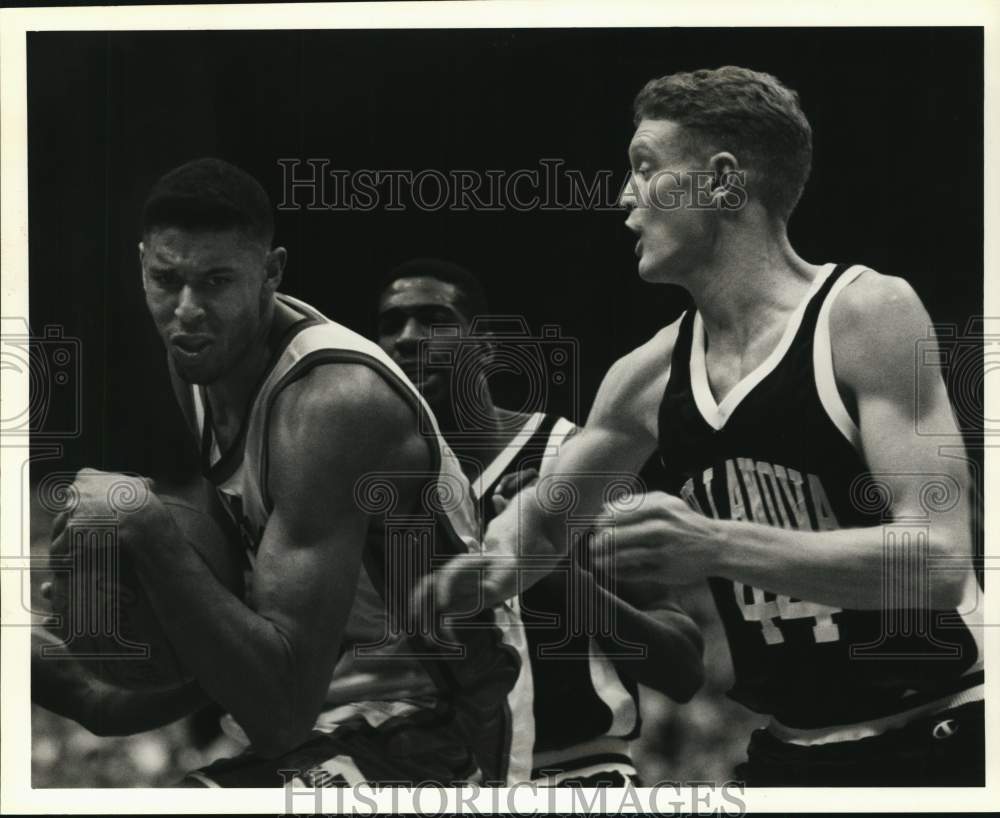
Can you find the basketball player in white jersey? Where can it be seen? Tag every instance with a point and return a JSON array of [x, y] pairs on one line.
[[774, 404], [318, 445], [585, 704]]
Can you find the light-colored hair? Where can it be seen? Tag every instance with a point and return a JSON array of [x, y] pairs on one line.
[[747, 113]]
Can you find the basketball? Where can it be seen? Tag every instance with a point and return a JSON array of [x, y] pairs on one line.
[[113, 627]]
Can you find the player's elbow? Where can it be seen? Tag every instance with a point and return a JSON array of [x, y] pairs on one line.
[[280, 722]]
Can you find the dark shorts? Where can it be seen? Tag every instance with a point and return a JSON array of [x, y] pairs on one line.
[[946, 749], [426, 747]]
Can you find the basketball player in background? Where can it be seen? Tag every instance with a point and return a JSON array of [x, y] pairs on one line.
[[772, 404], [297, 416], [585, 704]]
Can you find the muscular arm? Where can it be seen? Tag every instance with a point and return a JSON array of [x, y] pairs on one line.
[[269, 662], [62, 684], [875, 325]]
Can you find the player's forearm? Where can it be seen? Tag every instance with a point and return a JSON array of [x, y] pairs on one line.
[[671, 642], [519, 549], [239, 658], [62, 684], [856, 568]]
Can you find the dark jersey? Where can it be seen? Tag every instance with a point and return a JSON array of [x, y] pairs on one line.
[[578, 694], [781, 449]]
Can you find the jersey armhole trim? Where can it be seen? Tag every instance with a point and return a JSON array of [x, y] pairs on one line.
[[561, 430], [826, 381]]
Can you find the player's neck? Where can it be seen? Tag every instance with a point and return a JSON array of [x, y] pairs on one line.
[[753, 277], [230, 396]]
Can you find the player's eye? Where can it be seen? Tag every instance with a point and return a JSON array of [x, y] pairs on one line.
[[389, 323], [218, 281], [433, 317], [165, 279]]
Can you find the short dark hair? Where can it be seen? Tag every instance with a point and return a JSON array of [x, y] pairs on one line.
[[209, 194], [747, 112], [472, 292]]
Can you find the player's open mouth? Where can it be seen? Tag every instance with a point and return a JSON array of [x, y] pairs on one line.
[[190, 345]]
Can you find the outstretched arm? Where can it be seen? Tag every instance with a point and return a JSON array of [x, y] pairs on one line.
[[531, 536]]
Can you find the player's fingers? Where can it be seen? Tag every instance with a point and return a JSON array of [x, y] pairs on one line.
[[59, 524], [511, 484], [59, 547], [500, 504]]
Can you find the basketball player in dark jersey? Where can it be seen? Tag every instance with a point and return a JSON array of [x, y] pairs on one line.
[[785, 408], [585, 703], [314, 440]]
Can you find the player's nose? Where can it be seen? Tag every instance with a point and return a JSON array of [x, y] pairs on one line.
[[188, 309], [629, 200], [412, 331]]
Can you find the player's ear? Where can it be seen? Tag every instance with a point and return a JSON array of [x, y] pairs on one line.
[[274, 267], [728, 181], [142, 257]]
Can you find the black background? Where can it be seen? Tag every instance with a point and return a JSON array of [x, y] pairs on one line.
[[896, 183]]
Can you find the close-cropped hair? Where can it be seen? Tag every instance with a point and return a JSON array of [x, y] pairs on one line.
[[472, 293], [747, 113], [209, 194]]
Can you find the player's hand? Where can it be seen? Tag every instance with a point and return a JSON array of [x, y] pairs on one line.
[[659, 540], [466, 585], [510, 485], [60, 682], [127, 501]]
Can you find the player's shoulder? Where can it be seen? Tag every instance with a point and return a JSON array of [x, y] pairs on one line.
[[875, 322], [629, 397], [874, 301], [647, 363], [335, 404]]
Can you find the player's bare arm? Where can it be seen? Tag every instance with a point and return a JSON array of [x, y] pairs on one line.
[[874, 324], [526, 540], [269, 663], [63, 684]]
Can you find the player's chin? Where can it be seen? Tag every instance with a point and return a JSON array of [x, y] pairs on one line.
[[654, 271], [195, 370]]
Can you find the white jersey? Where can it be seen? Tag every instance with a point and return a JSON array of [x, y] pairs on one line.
[[382, 673]]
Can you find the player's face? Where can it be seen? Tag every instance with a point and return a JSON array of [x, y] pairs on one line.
[[207, 292], [673, 236], [410, 309]]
